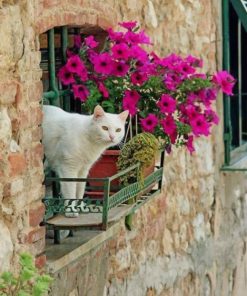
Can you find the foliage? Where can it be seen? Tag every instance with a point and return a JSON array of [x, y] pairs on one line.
[[172, 99], [29, 281], [142, 149]]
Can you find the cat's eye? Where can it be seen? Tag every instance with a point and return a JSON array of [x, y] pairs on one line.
[[105, 128], [118, 130]]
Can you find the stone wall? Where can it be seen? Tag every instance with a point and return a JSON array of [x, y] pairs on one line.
[[190, 240]]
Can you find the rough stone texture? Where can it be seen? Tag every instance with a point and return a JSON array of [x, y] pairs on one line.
[[6, 247], [191, 240]]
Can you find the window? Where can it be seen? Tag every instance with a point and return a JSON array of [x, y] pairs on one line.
[[114, 204], [235, 61]]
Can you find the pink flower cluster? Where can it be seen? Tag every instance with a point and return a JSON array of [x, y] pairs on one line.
[[173, 100]]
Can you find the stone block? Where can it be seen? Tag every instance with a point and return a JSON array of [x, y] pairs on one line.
[[8, 90], [5, 126], [16, 186], [40, 261], [17, 163], [36, 214], [38, 247], [6, 247], [36, 234], [35, 91], [36, 115], [37, 155]]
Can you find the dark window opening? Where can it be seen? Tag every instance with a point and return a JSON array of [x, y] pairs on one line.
[[235, 61]]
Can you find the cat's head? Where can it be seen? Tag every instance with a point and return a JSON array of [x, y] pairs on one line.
[[108, 128]]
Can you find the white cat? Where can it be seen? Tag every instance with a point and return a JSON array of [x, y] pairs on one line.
[[73, 142]]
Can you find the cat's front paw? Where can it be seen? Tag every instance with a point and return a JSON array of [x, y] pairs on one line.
[[82, 206], [71, 209], [71, 215]]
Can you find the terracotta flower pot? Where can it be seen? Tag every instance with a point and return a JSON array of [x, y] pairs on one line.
[[106, 166]]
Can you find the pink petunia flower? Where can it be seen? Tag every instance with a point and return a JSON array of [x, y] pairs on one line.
[[69, 53], [225, 80], [83, 75], [131, 37], [211, 116], [80, 92], [103, 90], [119, 69], [129, 105], [199, 125], [191, 111], [128, 25], [144, 38], [167, 104], [138, 78], [207, 96], [170, 61], [77, 41], [194, 61], [65, 76], [92, 55], [115, 36], [120, 51], [147, 68], [184, 69], [169, 125], [189, 144], [75, 65], [137, 38], [103, 63], [149, 123], [136, 52], [192, 98], [173, 137], [132, 95], [171, 80], [91, 42]]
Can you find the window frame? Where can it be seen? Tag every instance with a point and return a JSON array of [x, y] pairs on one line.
[[126, 194], [233, 156]]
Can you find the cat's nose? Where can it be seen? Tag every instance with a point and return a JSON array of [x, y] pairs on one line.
[[111, 137]]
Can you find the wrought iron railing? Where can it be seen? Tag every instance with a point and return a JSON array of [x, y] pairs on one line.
[[99, 208]]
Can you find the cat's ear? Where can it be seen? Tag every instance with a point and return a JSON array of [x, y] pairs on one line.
[[98, 112], [123, 116]]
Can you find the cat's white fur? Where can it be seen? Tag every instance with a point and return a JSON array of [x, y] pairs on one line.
[[73, 142]]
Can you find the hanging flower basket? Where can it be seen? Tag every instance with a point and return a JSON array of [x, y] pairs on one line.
[[171, 95]]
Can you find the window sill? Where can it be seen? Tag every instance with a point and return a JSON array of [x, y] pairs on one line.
[[238, 154], [239, 162], [59, 256], [83, 241]]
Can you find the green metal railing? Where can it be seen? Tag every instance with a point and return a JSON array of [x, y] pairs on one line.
[[135, 195], [55, 92]]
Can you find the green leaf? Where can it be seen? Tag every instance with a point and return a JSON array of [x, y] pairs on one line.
[[40, 288], [108, 106], [26, 274], [2, 286], [7, 276], [28, 278], [27, 260], [23, 293], [42, 285]]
